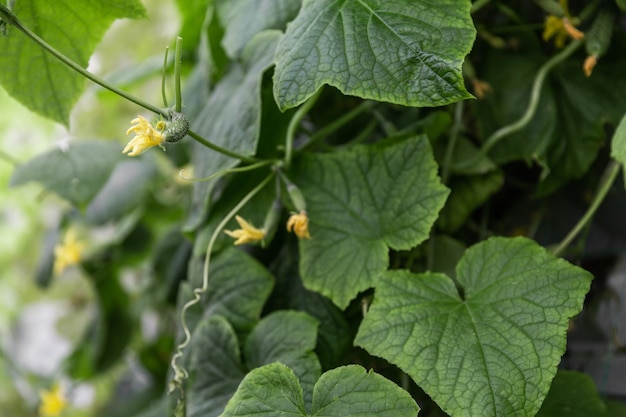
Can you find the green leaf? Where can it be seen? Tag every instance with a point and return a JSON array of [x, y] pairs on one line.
[[618, 144], [406, 52], [239, 286], [75, 171], [216, 370], [126, 189], [245, 18], [231, 119], [288, 337], [489, 348], [360, 203], [348, 391], [567, 130], [36, 78], [572, 394], [468, 193]]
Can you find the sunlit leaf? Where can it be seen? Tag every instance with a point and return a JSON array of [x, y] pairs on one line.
[[406, 52], [489, 348]]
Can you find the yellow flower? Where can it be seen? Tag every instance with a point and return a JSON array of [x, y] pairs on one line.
[[53, 402], [146, 136], [68, 253], [560, 28], [299, 223], [247, 233], [590, 64]]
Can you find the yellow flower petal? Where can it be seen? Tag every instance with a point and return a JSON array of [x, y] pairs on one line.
[[589, 64], [68, 253], [146, 137], [53, 402], [299, 224], [247, 234]]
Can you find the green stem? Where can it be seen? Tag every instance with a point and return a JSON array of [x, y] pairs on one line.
[[9, 17], [179, 373], [163, 93], [293, 126], [610, 174], [535, 93], [177, 63], [219, 149], [454, 135], [337, 124], [223, 172]]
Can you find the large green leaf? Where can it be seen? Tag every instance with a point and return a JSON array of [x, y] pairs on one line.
[[36, 78], [75, 171], [216, 368], [348, 391], [572, 394], [243, 19], [239, 286], [360, 203], [407, 52], [231, 119], [489, 348], [567, 130]]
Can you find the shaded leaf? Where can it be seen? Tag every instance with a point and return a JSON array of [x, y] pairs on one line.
[[231, 119], [360, 203], [36, 78], [76, 171], [572, 394], [216, 369], [567, 130], [491, 350], [245, 18], [468, 193], [126, 189], [406, 52]]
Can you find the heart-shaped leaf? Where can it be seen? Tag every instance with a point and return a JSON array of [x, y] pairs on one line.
[[407, 52], [491, 350], [360, 203], [349, 391]]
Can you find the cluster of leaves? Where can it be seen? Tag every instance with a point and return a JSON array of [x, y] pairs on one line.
[[409, 291]]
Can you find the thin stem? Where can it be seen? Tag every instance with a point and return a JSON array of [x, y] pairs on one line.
[[223, 172], [179, 373], [219, 149], [535, 93], [610, 174], [337, 124], [177, 62], [454, 135], [10, 17], [293, 126], [163, 94]]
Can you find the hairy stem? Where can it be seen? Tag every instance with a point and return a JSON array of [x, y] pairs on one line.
[[293, 126]]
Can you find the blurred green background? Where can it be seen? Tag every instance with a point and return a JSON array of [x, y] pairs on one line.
[[38, 327]]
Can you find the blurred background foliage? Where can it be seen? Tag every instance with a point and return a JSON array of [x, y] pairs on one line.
[[40, 326]]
